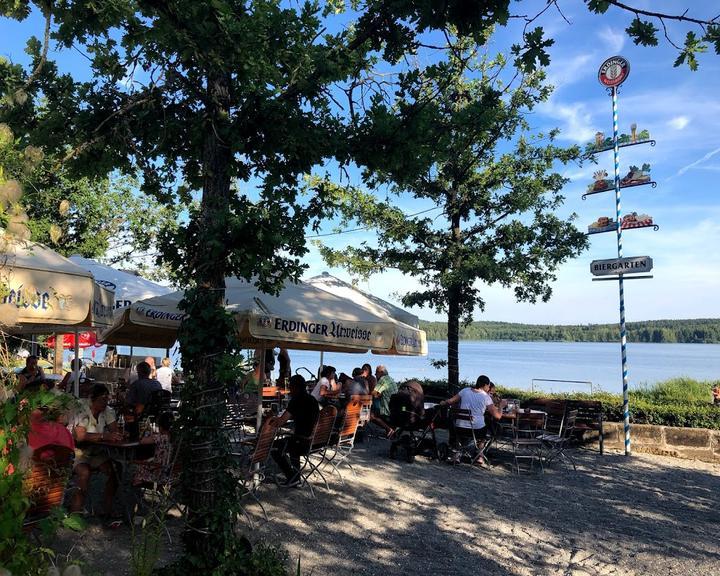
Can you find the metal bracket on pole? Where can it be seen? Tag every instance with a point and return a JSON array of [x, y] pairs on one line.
[[618, 278]]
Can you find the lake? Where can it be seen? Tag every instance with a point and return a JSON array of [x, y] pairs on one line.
[[516, 364]]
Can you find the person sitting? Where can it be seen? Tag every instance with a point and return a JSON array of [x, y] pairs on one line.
[[94, 423], [165, 375], [141, 390], [44, 431], [384, 389], [32, 376], [285, 369], [368, 375], [151, 470], [352, 386], [303, 409], [326, 386], [76, 370], [477, 401]]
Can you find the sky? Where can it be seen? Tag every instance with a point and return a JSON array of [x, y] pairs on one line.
[[680, 108]]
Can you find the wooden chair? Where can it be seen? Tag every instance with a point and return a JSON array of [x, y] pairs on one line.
[[317, 447], [589, 418], [343, 441], [252, 470], [45, 483], [528, 429], [365, 407]]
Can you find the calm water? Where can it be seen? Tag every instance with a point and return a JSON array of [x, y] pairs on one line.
[[516, 364]]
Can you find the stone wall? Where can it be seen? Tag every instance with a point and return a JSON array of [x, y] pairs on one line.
[[689, 443]]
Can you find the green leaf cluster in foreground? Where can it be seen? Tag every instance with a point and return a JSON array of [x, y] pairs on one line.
[[695, 331], [681, 402]]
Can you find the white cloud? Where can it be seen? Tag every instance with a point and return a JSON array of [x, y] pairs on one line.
[[576, 120], [613, 39], [679, 122]]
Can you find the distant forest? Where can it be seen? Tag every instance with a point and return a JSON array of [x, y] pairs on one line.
[[700, 331]]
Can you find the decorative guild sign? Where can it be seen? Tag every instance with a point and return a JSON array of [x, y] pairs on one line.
[[614, 266], [614, 71]]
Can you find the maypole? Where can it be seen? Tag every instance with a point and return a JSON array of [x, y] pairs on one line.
[[613, 72]]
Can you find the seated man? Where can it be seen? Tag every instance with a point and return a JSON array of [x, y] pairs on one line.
[[477, 401], [303, 409], [352, 386], [140, 391], [382, 392], [93, 424], [31, 376]]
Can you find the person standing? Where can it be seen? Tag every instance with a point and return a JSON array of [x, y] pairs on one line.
[[141, 390], [165, 375], [285, 369]]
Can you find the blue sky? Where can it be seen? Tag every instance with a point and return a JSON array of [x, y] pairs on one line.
[[680, 108]]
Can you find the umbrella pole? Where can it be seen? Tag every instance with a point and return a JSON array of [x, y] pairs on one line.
[[322, 352], [76, 384]]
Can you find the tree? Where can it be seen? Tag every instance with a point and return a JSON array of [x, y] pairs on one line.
[[456, 137], [94, 216]]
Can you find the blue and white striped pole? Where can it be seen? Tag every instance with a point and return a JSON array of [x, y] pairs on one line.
[[623, 335]]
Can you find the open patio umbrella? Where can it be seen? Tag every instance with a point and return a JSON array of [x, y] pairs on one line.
[[300, 317], [46, 292], [409, 340], [85, 340], [128, 287]]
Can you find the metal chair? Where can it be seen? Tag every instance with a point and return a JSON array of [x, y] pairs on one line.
[[343, 441], [528, 429], [252, 469], [314, 457], [556, 444], [468, 446]]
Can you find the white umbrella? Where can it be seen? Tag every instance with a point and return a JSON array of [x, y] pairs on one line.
[[300, 317], [409, 339], [127, 287], [46, 292]]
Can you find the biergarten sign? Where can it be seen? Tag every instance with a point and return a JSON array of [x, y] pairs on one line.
[[615, 266], [614, 71]]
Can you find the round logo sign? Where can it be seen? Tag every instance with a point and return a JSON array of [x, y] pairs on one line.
[[614, 71]]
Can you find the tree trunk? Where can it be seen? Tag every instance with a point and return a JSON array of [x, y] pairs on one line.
[[453, 339], [204, 338], [453, 296]]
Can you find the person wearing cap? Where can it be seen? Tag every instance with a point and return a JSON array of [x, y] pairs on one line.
[[477, 401]]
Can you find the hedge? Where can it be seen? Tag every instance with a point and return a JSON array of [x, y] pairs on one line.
[[644, 408]]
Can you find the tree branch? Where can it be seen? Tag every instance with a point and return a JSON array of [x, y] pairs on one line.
[[43, 54]]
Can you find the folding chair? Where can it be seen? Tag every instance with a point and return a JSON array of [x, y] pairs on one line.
[[252, 471], [467, 444], [557, 443], [528, 429], [314, 457], [343, 441]]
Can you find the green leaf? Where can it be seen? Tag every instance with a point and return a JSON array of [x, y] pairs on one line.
[[75, 522], [597, 6], [643, 32]]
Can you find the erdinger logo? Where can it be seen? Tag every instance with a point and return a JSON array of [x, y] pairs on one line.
[[106, 284], [264, 322]]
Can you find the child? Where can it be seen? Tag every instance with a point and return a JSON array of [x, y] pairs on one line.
[[151, 470]]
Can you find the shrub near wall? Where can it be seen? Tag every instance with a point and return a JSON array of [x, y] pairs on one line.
[[671, 403]]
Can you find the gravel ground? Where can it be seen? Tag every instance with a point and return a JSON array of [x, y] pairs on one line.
[[645, 515]]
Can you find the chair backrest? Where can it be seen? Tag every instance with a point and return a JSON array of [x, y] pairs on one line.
[[264, 444], [555, 411], [350, 421], [270, 392], [528, 425], [365, 401], [461, 415], [324, 428], [44, 484], [570, 420]]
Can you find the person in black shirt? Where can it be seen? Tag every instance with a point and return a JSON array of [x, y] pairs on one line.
[[303, 409]]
